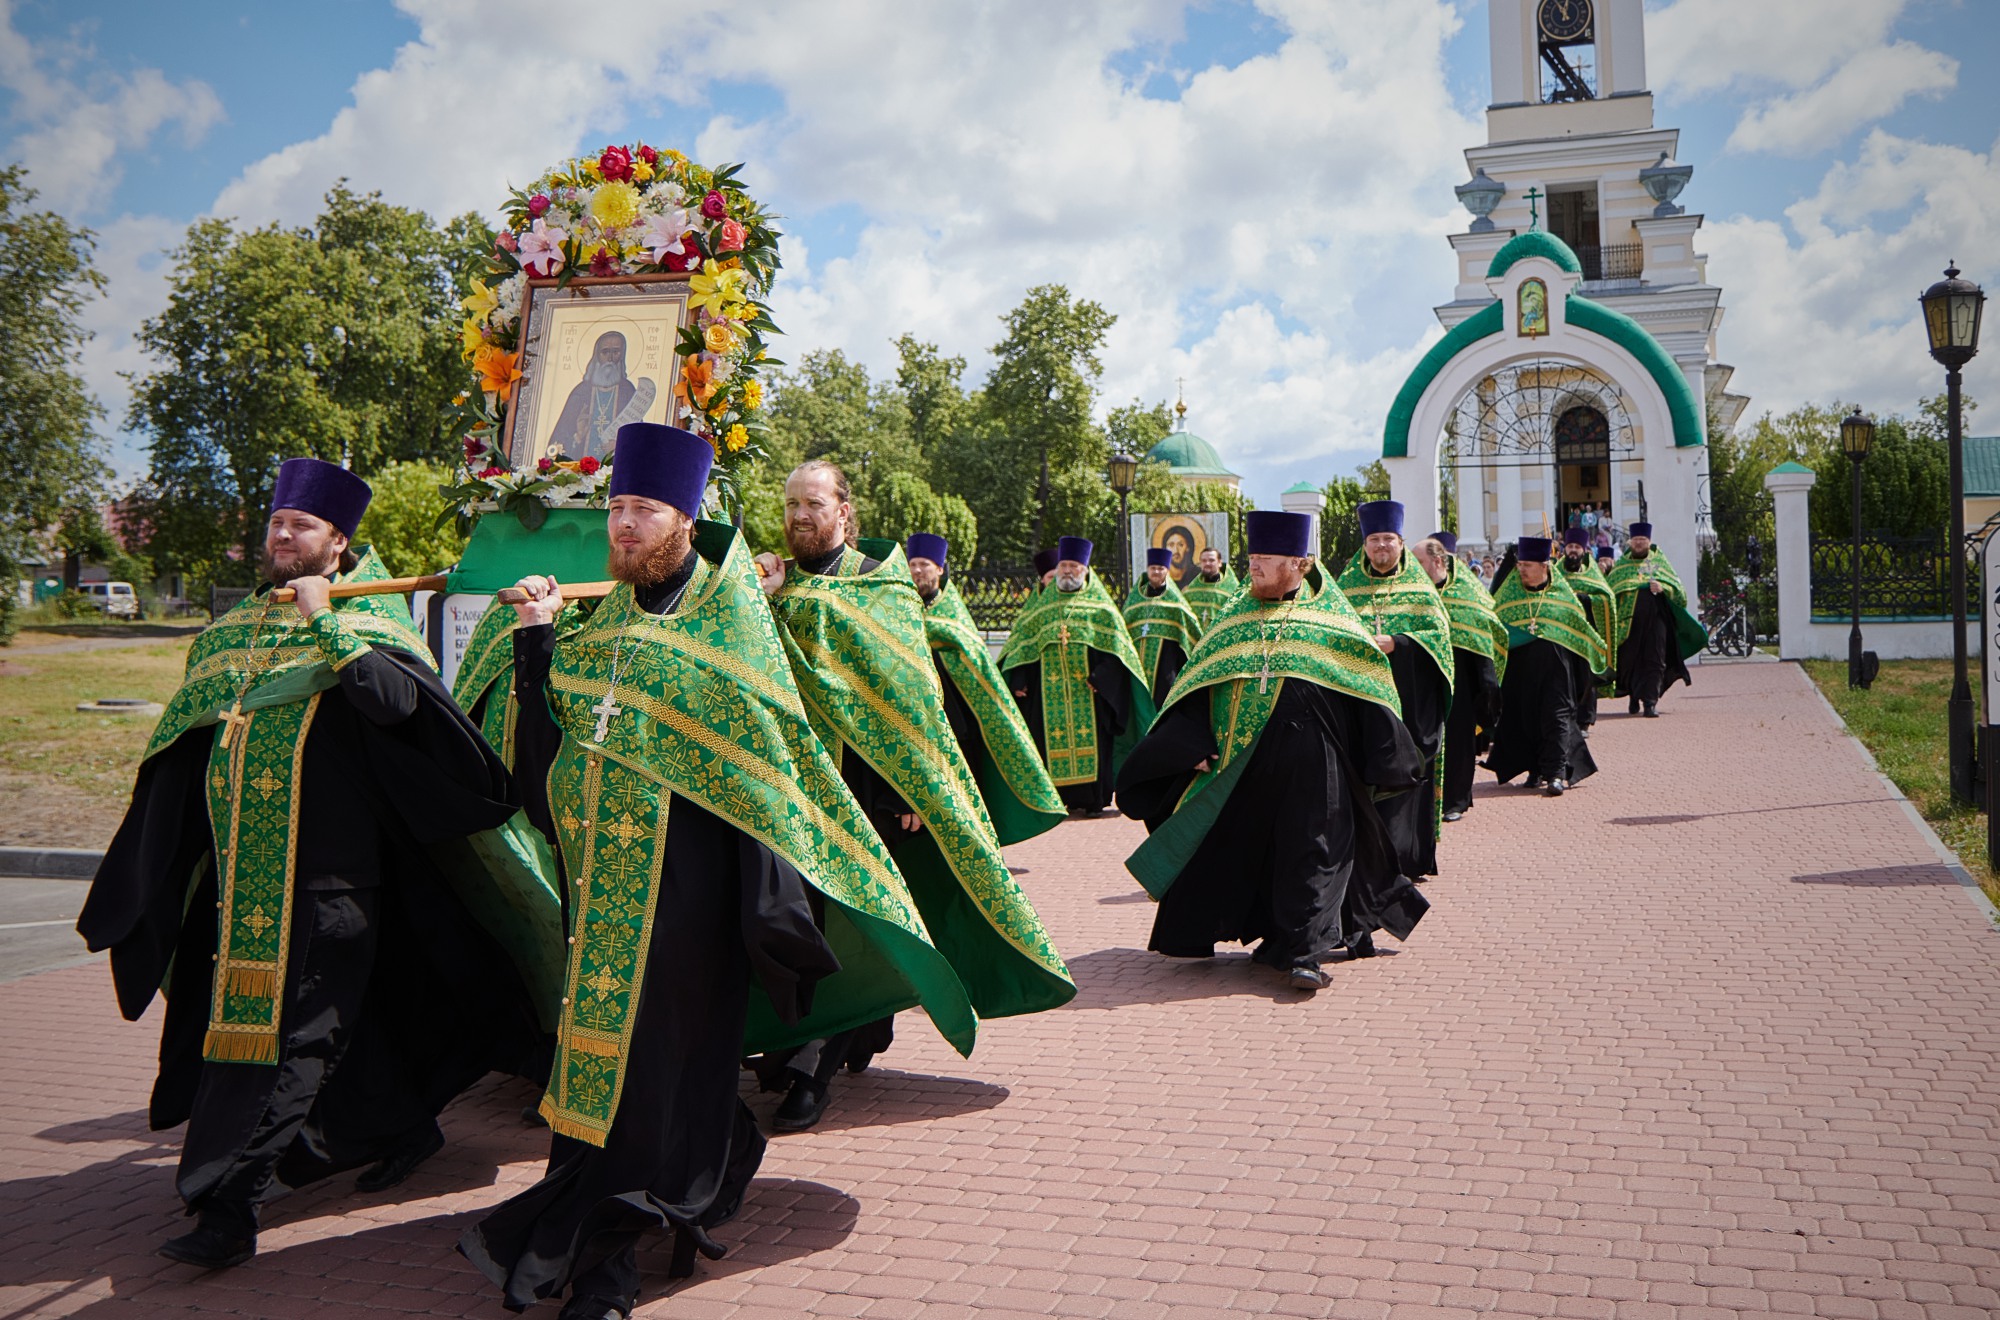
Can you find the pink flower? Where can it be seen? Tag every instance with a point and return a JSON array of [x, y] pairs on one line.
[[474, 447], [504, 241], [615, 164], [604, 262], [733, 237], [538, 205], [541, 250], [666, 236], [714, 207], [588, 464]]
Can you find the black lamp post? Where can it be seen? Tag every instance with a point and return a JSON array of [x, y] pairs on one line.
[[1856, 434], [1951, 319], [1123, 471]]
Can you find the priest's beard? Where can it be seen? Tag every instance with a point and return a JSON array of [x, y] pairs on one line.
[[606, 374], [281, 567], [808, 542], [1574, 563], [649, 562], [1641, 554], [1068, 583]]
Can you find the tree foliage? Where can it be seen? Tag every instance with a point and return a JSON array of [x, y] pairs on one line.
[[49, 452], [402, 523], [336, 341]]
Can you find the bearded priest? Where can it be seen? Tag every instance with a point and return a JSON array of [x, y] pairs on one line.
[[1164, 630], [1656, 634], [1393, 594], [295, 876], [1013, 782], [1214, 586], [1479, 656], [1071, 665], [713, 862], [1551, 648], [853, 628], [1261, 778]]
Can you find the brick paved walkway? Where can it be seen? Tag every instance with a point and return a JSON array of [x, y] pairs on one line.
[[1714, 1034]]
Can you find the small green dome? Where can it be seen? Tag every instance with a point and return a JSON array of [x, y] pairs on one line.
[[1189, 456], [1534, 243], [1301, 487]]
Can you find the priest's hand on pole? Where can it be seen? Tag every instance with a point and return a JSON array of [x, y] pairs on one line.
[[770, 573], [536, 600], [311, 595]]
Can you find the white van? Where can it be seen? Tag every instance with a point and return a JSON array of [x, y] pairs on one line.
[[115, 598]]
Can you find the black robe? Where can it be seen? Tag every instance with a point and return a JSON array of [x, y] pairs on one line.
[[1299, 858], [1475, 705], [1538, 732], [1426, 697], [1113, 696], [682, 1147], [1649, 662], [1172, 660], [1586, 681], [395, 998]]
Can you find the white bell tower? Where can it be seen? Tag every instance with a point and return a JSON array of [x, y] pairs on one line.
[[1551, 58]]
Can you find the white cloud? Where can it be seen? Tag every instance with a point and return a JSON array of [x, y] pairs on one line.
[[75, 130], [1829, 311], [989, 148], [1832, 63]]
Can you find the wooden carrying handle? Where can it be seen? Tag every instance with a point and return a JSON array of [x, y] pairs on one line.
[[384, 587], [570, 591]]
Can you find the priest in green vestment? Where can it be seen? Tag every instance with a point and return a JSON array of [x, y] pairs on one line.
[[1164, 630], [725, 892], [1593, 592], [1479, 657], [1394, 597], [1213, 586], [853, 626], [1071, 665], [1265, 779], [1656, 634], [1013, 782], [321, 873], [1551, 648]]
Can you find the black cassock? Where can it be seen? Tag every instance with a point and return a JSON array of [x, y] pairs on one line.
[[682, 1147], [1113, 698], [1649, 662], [395, 998], [1172, 660], [1475, 704], [1299, 858], [1412, 817], [1586, 681], [1538, 733]]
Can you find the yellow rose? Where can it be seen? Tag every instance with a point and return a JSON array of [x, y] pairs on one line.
[[720, 337]]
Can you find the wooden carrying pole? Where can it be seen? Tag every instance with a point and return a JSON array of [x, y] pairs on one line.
[[570, 591], [383, 587]]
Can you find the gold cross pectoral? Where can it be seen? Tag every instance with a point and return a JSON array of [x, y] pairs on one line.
[[605, 708], [236, 721]]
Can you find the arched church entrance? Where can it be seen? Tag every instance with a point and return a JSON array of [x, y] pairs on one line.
[[1543, 434]]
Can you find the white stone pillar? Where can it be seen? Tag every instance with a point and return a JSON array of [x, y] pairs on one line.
[[1790, 484], [1508, 515], [1472, 506], [1311, 502]]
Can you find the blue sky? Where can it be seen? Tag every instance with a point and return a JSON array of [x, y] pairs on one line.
[[1259, 190]]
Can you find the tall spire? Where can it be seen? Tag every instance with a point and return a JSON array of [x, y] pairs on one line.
[[1180, 403]]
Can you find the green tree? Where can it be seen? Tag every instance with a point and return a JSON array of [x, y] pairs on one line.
[[904, 503], [49, 452], [1136, 427], [1339, 526], [933, 392], [336, 341], [402, 523], [1905, 480]]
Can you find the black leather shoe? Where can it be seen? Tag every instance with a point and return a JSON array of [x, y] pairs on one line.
[[212, 1245], [1556, 788], [801, 1107], [592, 1308], [1454, 814], [1632, 706], [1651, 712], [1361, 946], [402, 1162], [1305, 975]]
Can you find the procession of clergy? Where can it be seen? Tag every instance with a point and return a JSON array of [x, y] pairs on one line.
[[728, 812]]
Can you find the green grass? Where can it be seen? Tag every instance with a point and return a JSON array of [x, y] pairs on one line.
[[1901, 721], [43, 735]]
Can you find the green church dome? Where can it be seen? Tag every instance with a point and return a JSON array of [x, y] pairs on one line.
[[1189, 456], [1534, 243]]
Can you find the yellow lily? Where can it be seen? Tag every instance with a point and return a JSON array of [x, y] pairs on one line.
[[481, 302], [715, 289], [470, 341]]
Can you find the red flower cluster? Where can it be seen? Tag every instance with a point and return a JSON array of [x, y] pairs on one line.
[[688, 259], [545, 465], [494, 471], [647, 154], [538, 205], [615, 164], [587, 465], [604, 262]]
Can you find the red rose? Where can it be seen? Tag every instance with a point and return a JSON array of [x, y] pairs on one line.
[[605, 262], [494, 471], [714, 207], [615, 164], [538, 205], [689, 257], [545, 465], [587, 465], [647, 154]]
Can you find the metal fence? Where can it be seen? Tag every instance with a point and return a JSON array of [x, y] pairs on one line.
[[1902, 577], [995, 595], [1619, 261]]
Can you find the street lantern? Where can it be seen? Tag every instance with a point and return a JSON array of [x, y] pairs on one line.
[[1951, 320], [1123, 472], [1857, 432]]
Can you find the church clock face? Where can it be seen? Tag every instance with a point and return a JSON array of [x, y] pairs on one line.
[[1564, 20]]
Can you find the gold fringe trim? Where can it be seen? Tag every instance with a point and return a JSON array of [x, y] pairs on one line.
[[566, 1124], [259, 981], [603, 1049], [224, 1046]]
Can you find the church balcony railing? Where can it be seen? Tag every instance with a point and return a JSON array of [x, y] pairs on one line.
[[1902, 577], [1619, 261]]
